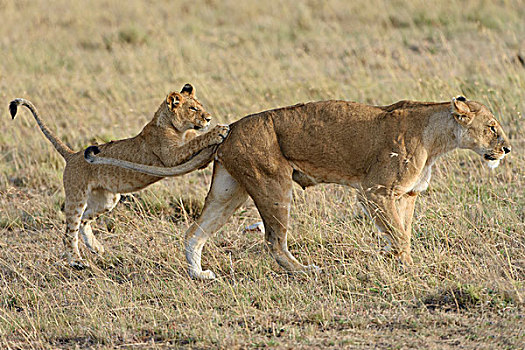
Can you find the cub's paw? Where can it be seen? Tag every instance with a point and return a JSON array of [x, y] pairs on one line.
[[97, 248], [219, 133]]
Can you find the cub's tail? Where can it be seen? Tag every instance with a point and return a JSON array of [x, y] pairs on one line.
[[61, 147]]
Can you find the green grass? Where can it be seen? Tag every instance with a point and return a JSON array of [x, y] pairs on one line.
[[97, 72]]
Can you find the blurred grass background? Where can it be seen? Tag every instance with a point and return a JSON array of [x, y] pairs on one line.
[[97, 71]]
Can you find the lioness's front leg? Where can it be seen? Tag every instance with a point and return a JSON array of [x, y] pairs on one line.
[[172, 155], [382, 208], [406, 205]]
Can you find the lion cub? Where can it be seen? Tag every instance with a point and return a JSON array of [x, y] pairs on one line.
[[169, 139]]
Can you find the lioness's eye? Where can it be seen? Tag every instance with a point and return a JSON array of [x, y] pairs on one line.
[[194, 109], [493, 129]]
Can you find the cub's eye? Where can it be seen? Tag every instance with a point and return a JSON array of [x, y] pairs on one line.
[[492, 128], [194, 109]]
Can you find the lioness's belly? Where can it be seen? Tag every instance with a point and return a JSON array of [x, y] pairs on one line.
[[306, 175]]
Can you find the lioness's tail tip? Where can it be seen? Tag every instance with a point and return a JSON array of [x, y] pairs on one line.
[[90, 152], [13, 107]]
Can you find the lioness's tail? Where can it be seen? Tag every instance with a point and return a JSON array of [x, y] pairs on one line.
[[198, 161], [59, 145]]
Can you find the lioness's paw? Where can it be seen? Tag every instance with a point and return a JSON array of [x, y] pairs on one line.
[[306, 270], [219, 133], [313, 268], [202, 275], [405, 258], [78, 264]]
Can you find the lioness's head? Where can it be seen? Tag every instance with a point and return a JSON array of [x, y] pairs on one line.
[[183, 111], [480, 131]]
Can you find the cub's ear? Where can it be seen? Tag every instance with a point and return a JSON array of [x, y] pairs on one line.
[[461, 110], [188, 90], [173, 100]]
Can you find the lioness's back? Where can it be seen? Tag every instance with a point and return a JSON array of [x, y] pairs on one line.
[[328, 135]]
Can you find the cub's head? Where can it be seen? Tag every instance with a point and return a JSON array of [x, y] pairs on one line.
[[182, 111], [480, 131]]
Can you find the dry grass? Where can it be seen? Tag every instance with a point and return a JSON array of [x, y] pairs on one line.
[[96, 70]]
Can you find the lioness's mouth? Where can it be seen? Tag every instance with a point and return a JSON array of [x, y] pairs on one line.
[[492, 160], [197, 127], [490, 157]]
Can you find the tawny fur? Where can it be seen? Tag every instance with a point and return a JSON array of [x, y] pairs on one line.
[[386, 152], [169, 139]]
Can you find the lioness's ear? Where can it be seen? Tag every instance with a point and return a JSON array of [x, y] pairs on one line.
[[188, 89], [173, 100], [461, 110]]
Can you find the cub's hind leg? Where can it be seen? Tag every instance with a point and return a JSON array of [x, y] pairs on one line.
[[74, 208], [99, 201]]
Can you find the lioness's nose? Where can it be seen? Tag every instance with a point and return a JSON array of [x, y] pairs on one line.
[[208, 118], [506, 149]]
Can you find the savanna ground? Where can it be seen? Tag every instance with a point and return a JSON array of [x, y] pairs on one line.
[[97, 70]]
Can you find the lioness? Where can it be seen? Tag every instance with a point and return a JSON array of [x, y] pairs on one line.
[[386, 152], [169, 139]]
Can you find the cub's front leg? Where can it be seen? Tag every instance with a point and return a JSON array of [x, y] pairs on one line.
[[172, 155]]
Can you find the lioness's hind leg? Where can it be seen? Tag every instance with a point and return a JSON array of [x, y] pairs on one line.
[[269, 183], [99, 201], [274, 207], [224, 197]]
